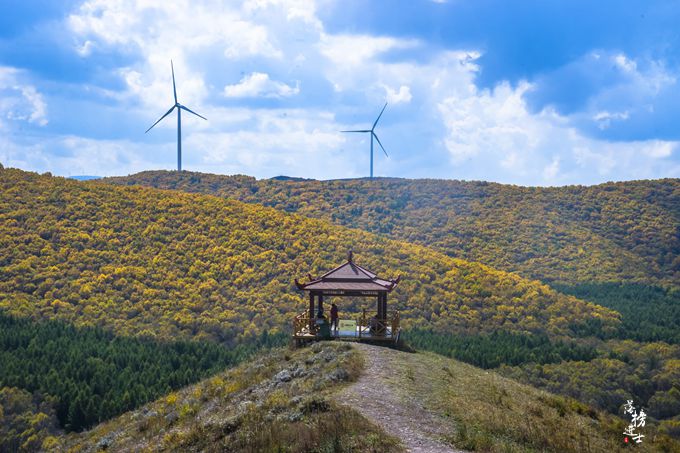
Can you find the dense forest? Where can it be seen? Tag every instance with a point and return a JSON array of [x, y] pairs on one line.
[[28, 421], [648, 313], [627, 231], [600, 373], [168, 264], [95, 375], [499, 348], [247, 409], [615, 244]]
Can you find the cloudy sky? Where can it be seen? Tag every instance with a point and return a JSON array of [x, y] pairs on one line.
[[524, 92]]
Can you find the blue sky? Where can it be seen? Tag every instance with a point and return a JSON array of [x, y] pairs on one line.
[[523, 92]]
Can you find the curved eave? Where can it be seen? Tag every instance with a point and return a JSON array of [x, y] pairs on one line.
[[320, 285]]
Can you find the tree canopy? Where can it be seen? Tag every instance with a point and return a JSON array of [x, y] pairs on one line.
[[609, 232], [168, 264]]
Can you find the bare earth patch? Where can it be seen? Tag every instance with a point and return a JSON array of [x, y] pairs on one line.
[[380, 395]]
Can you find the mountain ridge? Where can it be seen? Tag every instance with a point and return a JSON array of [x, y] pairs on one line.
[[147, 249], [609, 232]]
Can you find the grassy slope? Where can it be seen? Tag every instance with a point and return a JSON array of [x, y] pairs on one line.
[[490, 413], [249, 409], [166, 264], [610, 232], [647, 373]]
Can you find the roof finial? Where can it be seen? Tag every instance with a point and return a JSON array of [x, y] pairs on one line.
[[349, 256]]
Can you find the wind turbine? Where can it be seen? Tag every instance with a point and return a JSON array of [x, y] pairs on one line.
[[179, 108], [372, 132]]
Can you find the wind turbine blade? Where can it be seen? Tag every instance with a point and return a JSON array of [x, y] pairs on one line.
[[166, 114], [191, 111], [383, 148], [174, 89], [381, 112], [357, 131]]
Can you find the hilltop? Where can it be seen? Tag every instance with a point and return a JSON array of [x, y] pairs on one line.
[[627, 231], [337, 397]]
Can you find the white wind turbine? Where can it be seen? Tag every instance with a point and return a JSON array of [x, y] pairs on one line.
[[179, 108], [373, 134]]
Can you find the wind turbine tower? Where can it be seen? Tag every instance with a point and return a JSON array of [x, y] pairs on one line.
[[179, 108], [373, 134]]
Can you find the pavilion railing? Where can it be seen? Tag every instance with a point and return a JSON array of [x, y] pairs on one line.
[[368, 326], [302, 324], [371, 326], [396, 324]]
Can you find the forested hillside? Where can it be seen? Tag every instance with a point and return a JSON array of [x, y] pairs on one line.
[[92, 375], [627, 231], [80, 261], [278, 402], [615, 244], [169, 264]]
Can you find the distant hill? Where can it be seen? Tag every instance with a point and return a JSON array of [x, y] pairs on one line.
[[84, 177], [159, 263], [289, 178], [628, 231], [614, 244]]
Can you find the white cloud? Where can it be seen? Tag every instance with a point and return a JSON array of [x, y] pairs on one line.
[[71, 155], [173, 29], [625, 63], [355, 50], [294, 142], [659, 149], [550, 171], [304, 10], [496, 130], [445, 125], [19, 100], [604, 118], [639, 83], [353, 64], [259, 84], [85, 49], [603, 162], [489, 121], [171, 25], [397, 97]]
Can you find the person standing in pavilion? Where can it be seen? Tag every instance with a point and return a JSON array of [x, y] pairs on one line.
[[334, 318]]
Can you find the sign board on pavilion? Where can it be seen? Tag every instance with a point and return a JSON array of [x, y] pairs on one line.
[[345, 325]]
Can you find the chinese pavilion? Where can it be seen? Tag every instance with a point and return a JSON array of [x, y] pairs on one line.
[[348, 280]]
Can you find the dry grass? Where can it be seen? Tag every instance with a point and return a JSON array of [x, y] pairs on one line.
[[252, 408], [484, 411]]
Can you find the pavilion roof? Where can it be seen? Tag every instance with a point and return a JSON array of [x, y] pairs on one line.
[[348, 277]]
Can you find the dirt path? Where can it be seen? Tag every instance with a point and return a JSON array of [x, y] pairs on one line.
[[380, 396]]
